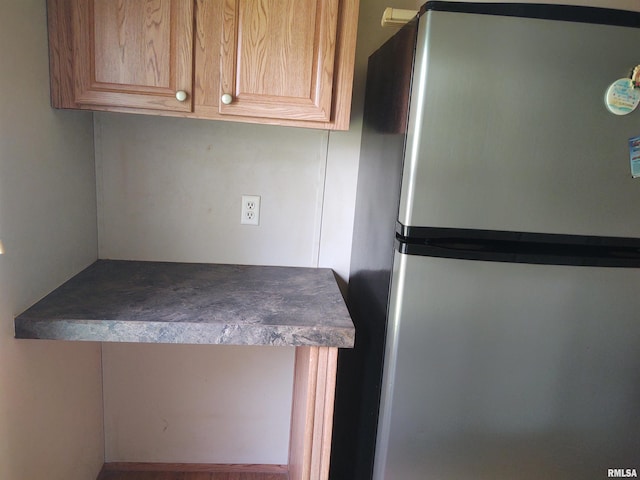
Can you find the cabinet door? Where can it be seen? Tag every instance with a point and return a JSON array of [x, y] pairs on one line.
[[134, 53], [277, 58]]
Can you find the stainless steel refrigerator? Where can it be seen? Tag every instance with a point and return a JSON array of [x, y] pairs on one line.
[[495, 277]]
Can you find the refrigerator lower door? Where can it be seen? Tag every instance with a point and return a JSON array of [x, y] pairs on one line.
[[503, 371]]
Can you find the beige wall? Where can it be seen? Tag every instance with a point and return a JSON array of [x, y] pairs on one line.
[[50, 392]]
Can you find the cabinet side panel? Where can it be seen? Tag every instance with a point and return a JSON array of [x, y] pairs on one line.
[[312, 417], [324, 403], [60, 53], [344, 64], [304, 386]]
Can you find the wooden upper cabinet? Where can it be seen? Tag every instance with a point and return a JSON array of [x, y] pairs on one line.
[[284, 62], [134, 53], [277, 58]]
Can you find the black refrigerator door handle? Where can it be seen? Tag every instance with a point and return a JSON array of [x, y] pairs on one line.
[[516, 247]]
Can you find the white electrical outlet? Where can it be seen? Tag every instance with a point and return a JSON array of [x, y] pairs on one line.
[[250, 210]]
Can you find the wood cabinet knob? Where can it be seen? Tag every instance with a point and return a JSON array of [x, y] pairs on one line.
[[226, 99], [181, 95]]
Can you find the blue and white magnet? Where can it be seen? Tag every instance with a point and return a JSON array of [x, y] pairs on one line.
[[621, 97]]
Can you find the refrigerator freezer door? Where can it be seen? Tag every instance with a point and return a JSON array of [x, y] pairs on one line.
[[500, 371], [508, 128]]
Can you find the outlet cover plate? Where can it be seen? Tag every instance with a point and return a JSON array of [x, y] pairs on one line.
[[250, 212]]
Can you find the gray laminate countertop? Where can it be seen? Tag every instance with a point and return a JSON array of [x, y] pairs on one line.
[[165, 302]]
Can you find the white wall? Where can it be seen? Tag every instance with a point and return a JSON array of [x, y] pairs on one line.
[[50, 392], [169, 189], [197, 403]]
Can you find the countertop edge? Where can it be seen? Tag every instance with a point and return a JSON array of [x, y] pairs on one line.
[[59, 315], [182, 333]]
